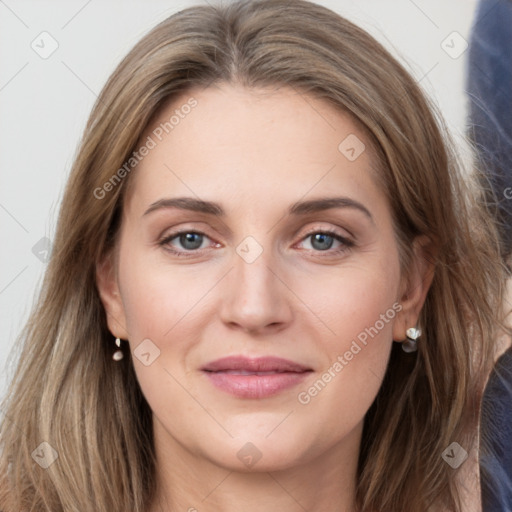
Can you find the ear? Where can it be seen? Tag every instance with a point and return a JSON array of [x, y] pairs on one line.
[[415, 285], [108, 288]]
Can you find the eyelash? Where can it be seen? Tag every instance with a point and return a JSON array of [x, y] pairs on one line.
[[346, 243]]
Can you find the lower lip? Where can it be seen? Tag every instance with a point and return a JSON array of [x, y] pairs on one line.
[[255, 386]]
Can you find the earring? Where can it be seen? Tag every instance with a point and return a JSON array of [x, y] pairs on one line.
[[410, 344], [118, 354]]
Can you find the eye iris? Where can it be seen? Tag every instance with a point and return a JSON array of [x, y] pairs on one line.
[[325, 241], [195, 240]]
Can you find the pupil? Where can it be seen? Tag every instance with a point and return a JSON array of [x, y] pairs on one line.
[[325, 241], [193, 238]]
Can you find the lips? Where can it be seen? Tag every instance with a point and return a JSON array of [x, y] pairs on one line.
[[260, 364], [254, 378]]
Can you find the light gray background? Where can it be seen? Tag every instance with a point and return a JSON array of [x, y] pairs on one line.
[[44, 104]]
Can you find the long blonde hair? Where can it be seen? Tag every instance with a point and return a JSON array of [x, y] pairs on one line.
[[68, 392]]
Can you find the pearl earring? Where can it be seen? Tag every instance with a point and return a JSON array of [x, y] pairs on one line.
[[410, 345], [118, 354]]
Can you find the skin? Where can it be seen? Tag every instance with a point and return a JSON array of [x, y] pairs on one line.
[[256, 152]]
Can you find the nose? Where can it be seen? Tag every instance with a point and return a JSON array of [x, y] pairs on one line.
[[255, 298]]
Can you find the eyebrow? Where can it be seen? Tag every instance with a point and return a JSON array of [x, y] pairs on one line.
[[298, 208]]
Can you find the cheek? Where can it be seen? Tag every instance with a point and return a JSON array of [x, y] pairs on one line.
[[354, 299], [159, 299], [358, 306], [162, 304]]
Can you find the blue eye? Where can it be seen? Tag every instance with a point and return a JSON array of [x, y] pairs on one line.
[[322, 241], [189, 240]]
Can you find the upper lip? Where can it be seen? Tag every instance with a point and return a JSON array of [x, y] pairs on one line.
[[258, 364]]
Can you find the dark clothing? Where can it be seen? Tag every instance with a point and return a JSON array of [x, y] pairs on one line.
[[496, 441], [490, 127], [490, 106]]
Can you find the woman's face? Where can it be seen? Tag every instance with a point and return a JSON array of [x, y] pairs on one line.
[[254, 230]]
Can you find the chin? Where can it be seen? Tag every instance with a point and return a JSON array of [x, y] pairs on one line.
[[253, 451]]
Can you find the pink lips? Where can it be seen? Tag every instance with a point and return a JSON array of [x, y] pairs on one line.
[[254, 378]]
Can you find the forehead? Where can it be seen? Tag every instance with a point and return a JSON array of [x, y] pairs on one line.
[[276, 144]]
